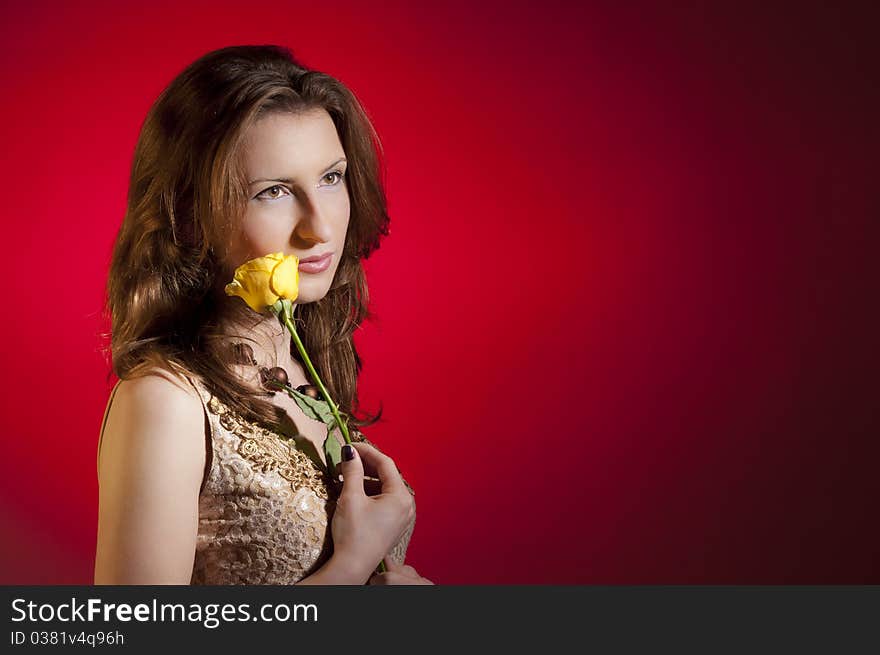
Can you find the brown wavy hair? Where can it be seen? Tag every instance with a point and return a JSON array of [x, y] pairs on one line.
[[187, 193]]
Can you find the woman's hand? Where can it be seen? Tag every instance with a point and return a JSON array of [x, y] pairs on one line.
[[366, 527], [398, 574]]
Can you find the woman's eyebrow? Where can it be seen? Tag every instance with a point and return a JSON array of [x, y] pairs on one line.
[[288, 180]]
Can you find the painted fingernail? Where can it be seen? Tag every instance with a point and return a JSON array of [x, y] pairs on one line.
[[347, 452]]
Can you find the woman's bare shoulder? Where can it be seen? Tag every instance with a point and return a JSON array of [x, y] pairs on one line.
[[157, 412], [157, 386], [150, 469]]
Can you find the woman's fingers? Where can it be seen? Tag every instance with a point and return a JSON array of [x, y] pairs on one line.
[[398, 574], [383, 465], [389, 578], [352, 470]]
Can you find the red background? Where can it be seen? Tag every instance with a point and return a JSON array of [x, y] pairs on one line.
[[682, 390]]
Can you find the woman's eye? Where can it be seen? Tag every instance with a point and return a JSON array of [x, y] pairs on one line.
[[269, 193], [274, 192], [338, 179]]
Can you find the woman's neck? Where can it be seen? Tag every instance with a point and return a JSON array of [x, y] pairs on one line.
[[270, 342]]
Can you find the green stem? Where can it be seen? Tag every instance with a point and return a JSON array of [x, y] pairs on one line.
[[302, 351], [285, 319]]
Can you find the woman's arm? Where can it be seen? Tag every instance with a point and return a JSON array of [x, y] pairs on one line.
[[336, 571], [150, 470]]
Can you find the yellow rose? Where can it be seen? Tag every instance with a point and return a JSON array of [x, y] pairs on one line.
[[261, 282]]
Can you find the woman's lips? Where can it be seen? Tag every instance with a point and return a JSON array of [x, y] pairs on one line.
[[316, 266]]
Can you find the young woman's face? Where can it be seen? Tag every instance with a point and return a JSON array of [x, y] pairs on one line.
[[298, 198]]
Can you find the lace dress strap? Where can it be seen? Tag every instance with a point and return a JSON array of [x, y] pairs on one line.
[[104, 421]]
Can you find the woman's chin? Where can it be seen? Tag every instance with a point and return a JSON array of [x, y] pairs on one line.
[[307, 295]]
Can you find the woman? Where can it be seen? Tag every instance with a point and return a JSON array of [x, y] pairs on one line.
[[207, 474]]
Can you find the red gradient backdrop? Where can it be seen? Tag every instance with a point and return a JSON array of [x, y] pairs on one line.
[[627, 311]]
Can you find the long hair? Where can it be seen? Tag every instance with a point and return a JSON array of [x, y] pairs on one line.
[[188, 191]]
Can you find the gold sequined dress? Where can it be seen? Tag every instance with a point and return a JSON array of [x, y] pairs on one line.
[[264, 506]]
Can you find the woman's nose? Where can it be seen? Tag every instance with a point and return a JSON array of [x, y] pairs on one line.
[[314, 221]]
